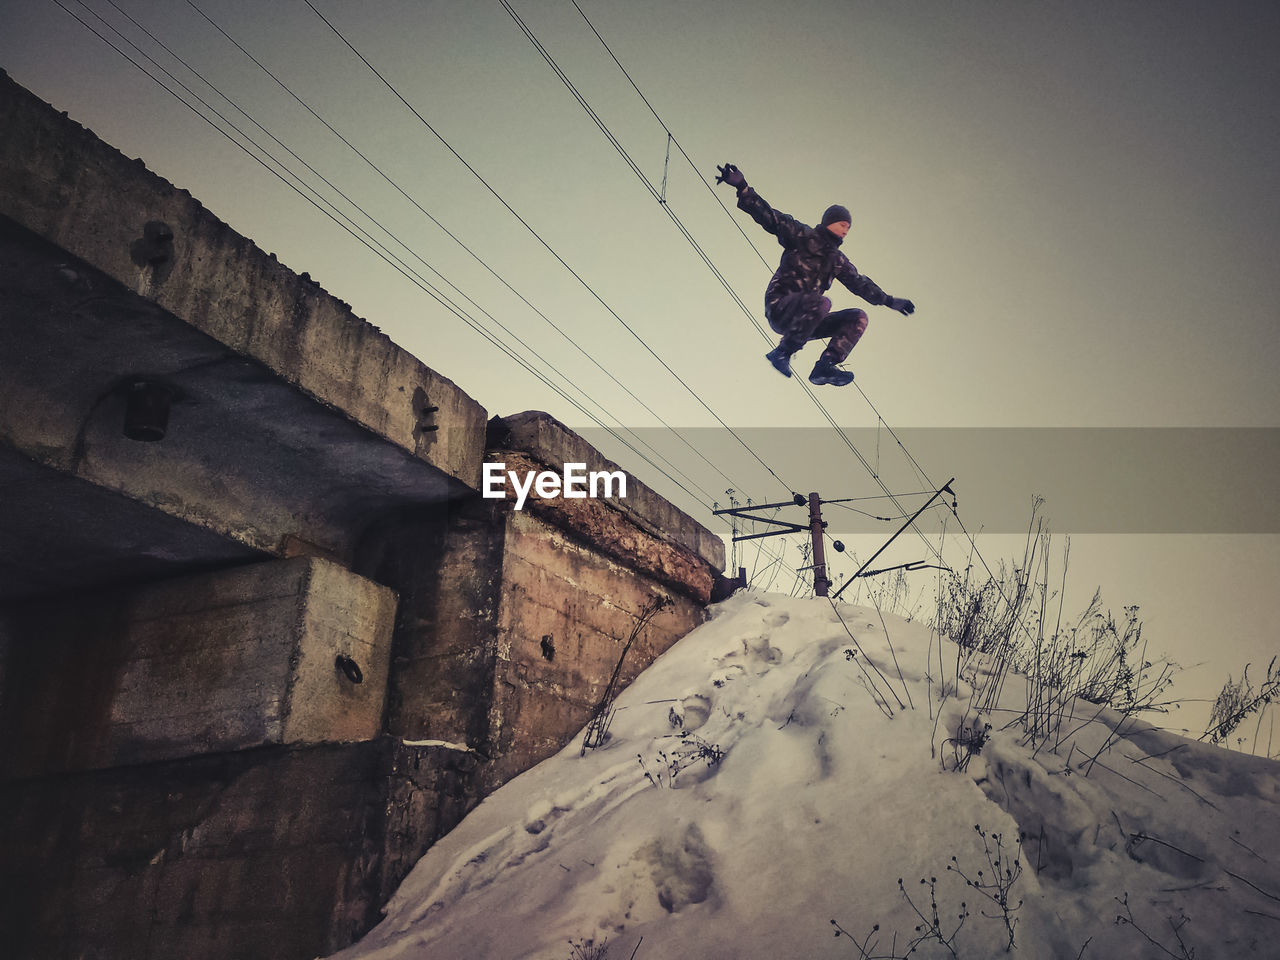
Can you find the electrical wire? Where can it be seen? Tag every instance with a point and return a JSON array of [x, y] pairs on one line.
[[564, 78], [542, 241], [452, 236], [671, 137], [333, 212]]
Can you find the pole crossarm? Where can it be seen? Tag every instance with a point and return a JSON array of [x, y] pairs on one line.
[[788, 528], [743, 513]]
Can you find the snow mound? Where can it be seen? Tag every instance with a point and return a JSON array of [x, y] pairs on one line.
[[789, 762]]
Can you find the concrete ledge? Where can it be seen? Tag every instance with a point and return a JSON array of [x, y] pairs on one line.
[[615, 533], [550, 442]]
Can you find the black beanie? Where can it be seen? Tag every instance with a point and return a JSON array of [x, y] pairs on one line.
[[836, 213]]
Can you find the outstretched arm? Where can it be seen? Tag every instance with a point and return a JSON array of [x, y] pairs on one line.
[[868, 290], [782, 226]]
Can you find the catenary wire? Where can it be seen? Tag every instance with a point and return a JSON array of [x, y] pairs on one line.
[[564, 78], [629, 160], [452, 236], [337, 217], [671, 137], [334, 213], [544, 243]]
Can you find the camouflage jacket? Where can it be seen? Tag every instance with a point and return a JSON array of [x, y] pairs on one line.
[[811, 257]]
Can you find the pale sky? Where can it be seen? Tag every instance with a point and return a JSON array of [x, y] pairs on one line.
[[1082, 199]]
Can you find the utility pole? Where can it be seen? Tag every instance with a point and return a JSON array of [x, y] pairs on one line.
[[821, 584], [820, 581]]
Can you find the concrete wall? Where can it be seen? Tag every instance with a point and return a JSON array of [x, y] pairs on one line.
[[189, 770], [513, 621], [566, 614], [267, 853], [171, 785]]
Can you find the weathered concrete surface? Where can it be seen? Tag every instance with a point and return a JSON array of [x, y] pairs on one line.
[[429, 790], [293, 421], [59, 533], [546, 439], [447, 566], [282, 852], [566, 615], [227, 661], [348, 617], [60, 181], [168, 788]]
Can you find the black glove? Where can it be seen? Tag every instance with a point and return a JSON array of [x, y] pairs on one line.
[[732, 176], [904, 307]]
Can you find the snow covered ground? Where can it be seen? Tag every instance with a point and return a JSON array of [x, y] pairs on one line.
[[784, 765]]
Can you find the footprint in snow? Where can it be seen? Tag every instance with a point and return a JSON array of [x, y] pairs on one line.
[[691, 712]]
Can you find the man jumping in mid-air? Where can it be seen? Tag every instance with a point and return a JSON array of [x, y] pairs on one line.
[[794, 303]]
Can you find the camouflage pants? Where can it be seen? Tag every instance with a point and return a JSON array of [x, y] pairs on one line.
[[801, 317]]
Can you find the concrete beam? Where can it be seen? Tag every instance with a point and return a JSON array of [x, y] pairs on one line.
[[61, 182], [228, 661], [550, 442], [293, 423]]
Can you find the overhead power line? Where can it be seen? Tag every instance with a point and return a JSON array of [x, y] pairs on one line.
[[660, 197], [475, 173], [655, 192], [249, 145], [317, 200], [671, 137], [476, 257]]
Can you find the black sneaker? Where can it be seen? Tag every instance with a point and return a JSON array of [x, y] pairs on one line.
[[780, 359], [824, 371]]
